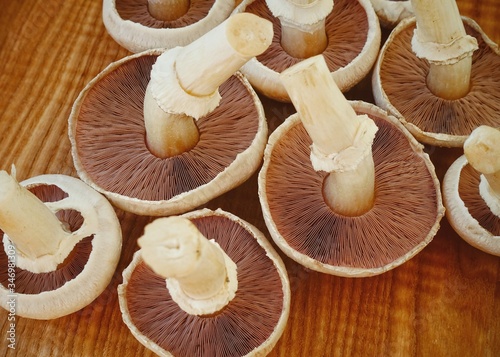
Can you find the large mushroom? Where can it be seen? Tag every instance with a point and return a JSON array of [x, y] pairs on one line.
[[362, 199], [140, 25], [205, 284], [347, 33], [471, 191], [161, 133], [439, 74], [62, 242]]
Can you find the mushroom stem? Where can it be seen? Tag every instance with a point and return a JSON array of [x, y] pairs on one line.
[[303, 35], [341, 139], [168, 10], [441, 34], [185, 80], [30, 225], [175, 249]]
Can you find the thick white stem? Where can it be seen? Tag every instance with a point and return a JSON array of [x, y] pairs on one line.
[[439, 22], [168, 10], [30, 225], [341, 139]]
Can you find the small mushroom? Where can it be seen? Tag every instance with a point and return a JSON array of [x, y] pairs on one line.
[[344, 188], [471, 191], [205, 284], [161, 133], [347, 33], [439, 74], [62, 242], [391, 12], [140, 25]]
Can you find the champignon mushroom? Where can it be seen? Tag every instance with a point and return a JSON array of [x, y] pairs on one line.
[[150, 133], [62, 243], [205, 284], [140, 25], [439, 74], [347, 34], [391, 12], [363, 199], [471, 191]]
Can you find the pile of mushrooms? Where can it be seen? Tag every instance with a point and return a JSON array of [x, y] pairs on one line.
[[140, 25], [471, 191], [62, 242], [347, 34], [439, 74], [205, 284], [162, 132], [344, 188]]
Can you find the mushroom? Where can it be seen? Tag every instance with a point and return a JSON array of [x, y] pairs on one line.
[[347, 34], [206, 283], [471, 190], [160, 133], [439, 74], [344, 188], [391, 12], [62, 242], [140, 25]]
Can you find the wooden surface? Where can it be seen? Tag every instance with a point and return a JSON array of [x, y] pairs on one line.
[[443, 302]]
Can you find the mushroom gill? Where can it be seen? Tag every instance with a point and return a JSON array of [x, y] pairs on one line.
[[241, 326], [403, 215], [110, 137], [137, 11], [344, 44], [403, 79]]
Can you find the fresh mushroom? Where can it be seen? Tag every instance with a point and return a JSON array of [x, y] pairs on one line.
[[344, 188], [161, 133], [439, 74], [140, 25], [391, 12], [471, 191], [62, 242], [205, 284], [347, 33]]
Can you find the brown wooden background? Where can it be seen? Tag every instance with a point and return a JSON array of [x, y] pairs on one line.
[[443, 302]]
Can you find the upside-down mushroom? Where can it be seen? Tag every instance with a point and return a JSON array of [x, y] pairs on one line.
[[347, 33], [471, 191], [439, 74], [62, 242], [205, 284], [140, 25], [341, 182], [391, 12], [161, 133]]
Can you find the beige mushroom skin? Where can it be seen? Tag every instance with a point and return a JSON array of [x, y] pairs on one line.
[[391, 12], [100, 221], [168, 10]]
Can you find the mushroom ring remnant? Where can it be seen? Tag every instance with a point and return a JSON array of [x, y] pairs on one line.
[[94, 238], [131, 25], [250, 324], [107, 133], [400, 87], [353, 34], [404, 218]]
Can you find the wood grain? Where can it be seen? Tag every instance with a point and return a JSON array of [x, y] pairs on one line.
[[443, 302]]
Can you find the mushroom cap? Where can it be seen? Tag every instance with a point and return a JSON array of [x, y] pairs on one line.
[[350, 54], [391, 12], [106, 130], [466, 210], [131, 25], [399, 86], [405, 216], [250, 324], [87, 271]]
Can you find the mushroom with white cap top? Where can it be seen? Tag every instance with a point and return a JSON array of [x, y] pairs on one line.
[[62, 242], [160, 133], [471, 190], [341, 180], [205, 283]]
